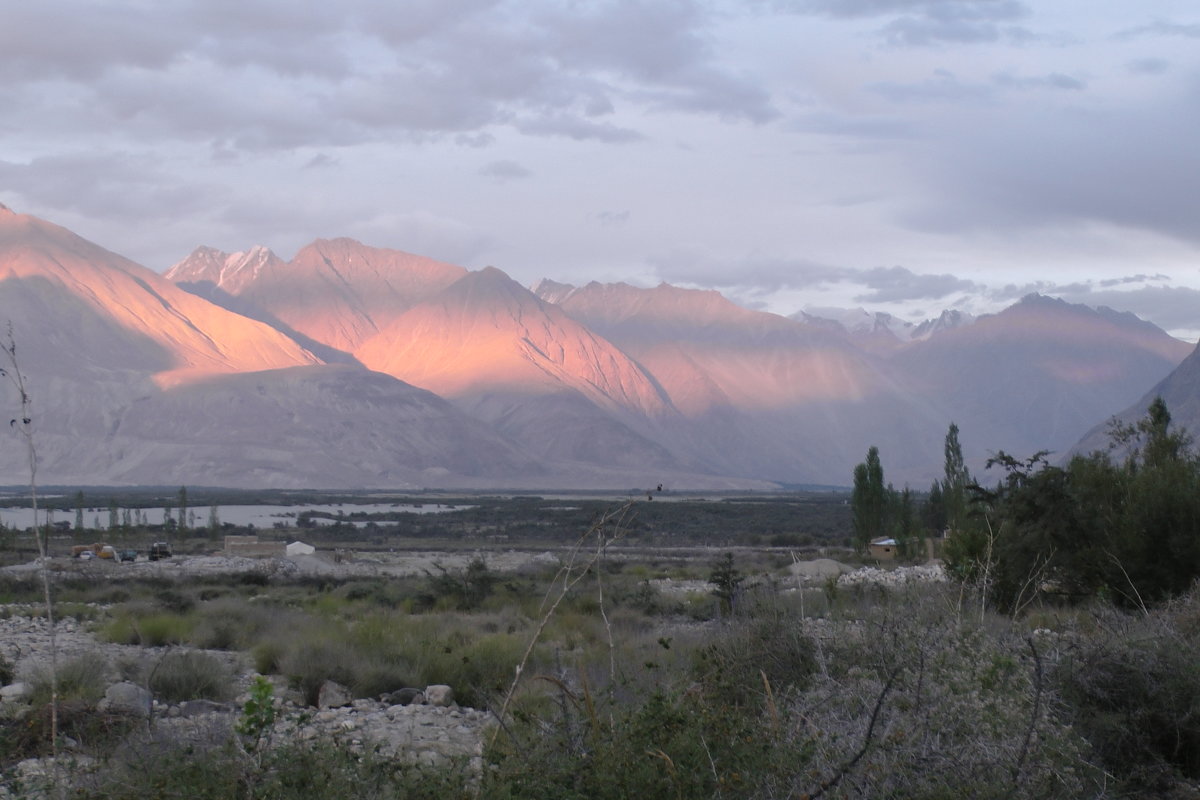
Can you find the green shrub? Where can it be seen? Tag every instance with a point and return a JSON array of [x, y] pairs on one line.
[[373, 677], [479, 670], [174, 601], [190, 675], [315, 659], [748, 651], [464, 589], [97, 731], [267, 655], [158, 630], [138, 625], [289, 772], [84, 678], [670, 744]]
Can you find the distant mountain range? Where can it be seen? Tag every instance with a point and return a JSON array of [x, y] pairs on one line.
[[351, 366]]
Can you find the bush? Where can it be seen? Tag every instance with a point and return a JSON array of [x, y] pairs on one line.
[[267, 655], [190, 675], [1134, 693], [99, 732], [938, 708], [670, 743], [316, 659], [83, 678], [749, 651], [175, 601], [137, 625], [290, 772], [464, 589], [479, 669]]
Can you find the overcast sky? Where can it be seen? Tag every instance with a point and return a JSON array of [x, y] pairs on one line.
[[901, 155]]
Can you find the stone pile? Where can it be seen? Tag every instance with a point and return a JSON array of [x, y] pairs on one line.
[[899, 576]]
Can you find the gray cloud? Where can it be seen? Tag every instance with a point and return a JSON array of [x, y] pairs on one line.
[[504, 170], [613, 217], [924, 23], [754, 273], [1151, 298], [757, 276], [1170, 307], [105, 186], [1130, 166], [321, 160], [992, 10], [873, 127], [1148, 66], [1161, 28], [269, 74], [926, 32], [61, 39], [475, 140], [1055, 80], [660, 46], [1128, 279], [898, 284], [573, 127], [942, 87]]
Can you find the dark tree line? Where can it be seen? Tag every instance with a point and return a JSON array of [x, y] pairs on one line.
[[881, 511], [1122, 524]]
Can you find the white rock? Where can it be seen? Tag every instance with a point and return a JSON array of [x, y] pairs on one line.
[[439, 695]]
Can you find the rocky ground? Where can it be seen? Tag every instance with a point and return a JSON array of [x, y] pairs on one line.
[[432, 730], [428, 727]]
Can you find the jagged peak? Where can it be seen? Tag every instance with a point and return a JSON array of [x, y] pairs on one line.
[[553, 291], [6, 211]]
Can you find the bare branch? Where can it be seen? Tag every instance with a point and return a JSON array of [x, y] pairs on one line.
[[845, 768], [1038, 678]]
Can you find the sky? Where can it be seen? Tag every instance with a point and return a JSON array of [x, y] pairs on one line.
[[906, 156]]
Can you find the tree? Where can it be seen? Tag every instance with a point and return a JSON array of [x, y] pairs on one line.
[[869, 501], [954, 485], [726, 580], [183, 510], [1157, 547], [933, 511], [1129, 530], [967, 553], [906, 529]]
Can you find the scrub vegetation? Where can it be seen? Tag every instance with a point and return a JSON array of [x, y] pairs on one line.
[[1058, 661]]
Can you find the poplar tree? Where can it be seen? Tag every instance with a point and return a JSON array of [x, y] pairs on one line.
[[869, 501], [183, 510], [954, 485]]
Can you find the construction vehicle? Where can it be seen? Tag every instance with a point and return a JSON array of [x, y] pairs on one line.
[[97, 550]]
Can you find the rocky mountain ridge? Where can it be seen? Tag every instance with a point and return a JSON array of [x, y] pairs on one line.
[[353, 366]]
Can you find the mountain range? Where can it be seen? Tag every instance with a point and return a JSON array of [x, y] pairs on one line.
[[358, 367]]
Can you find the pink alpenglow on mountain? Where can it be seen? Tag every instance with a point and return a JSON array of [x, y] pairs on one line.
[[125, 308], [336, 291], [707, 352], [487, 334]]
